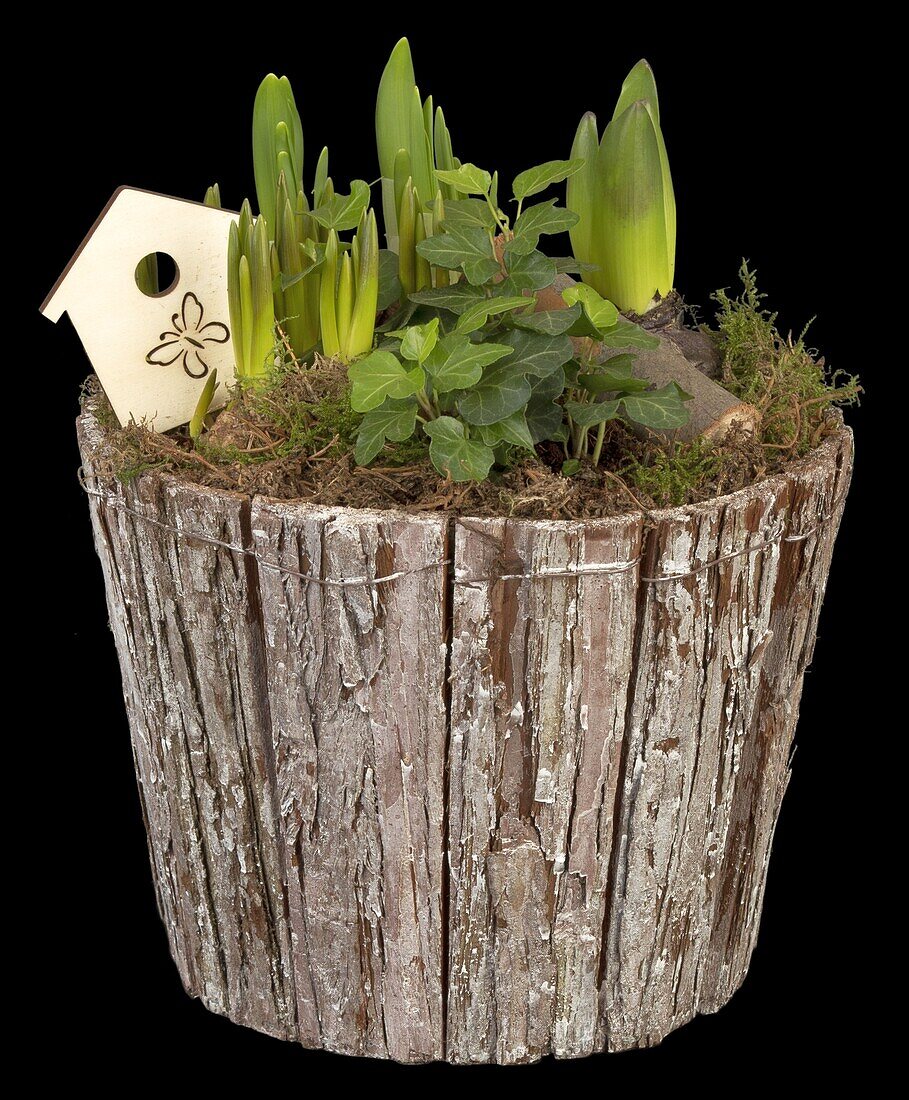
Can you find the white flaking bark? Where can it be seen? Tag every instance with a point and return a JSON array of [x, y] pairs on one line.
[[356, 691]]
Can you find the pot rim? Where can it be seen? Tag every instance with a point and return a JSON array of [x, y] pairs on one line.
[[826, 452]]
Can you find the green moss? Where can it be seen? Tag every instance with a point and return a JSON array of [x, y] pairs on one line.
[[129, 470], [782, 377], [408, 453], [671, 478]]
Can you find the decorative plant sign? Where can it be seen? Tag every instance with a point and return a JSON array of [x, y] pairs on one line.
[[153, 348]]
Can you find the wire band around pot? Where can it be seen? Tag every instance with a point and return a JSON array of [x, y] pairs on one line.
[[460, 577]]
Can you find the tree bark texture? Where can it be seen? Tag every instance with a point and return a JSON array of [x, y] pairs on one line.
[[454, 816]]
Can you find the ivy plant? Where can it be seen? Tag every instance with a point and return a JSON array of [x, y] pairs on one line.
[[474, 369]]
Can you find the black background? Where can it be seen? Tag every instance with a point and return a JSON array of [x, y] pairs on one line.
[[753, 123]]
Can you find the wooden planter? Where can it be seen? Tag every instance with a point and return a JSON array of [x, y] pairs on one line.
[[454, 817]]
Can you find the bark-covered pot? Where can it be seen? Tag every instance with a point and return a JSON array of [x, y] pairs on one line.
[[513, 805]]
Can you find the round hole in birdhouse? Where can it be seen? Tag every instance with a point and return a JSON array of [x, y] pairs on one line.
[[157, 274]]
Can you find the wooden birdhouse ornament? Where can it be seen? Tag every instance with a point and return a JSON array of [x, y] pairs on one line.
[[152, 349]]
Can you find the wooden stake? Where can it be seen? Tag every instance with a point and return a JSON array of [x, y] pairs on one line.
[[714, 411]]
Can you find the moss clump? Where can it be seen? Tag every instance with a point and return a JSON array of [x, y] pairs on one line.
[[783, 378], [670, 478], [298, 411]]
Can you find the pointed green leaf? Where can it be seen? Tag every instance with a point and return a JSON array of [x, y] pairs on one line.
[[274, 107], [366, 290], [380, 375], [588, 416], [457, 364], [613, 376], [400, 125], [202, 406], [639, 84], [550, 322], [531, 272], [444, 158], [453, 454], [501, 391], [546, 217], [536, 354], [321, 177], [480, 271], [343, 211], [390, 289], [626, 334], [455, 298], [513, 429], [419, 340], [213, 196], [393, 107], [603, 314], [534, 180], [395, 420], [582, 191], [630, 230], [662, 409], [473, 212], [545, 419], [476, 316], [456, 246], [468, 179], [403, 175]]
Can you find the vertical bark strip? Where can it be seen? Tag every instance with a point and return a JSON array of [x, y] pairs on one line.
[[185, 620], [718, 670], [539, 674], [355, 684], [457, 817]]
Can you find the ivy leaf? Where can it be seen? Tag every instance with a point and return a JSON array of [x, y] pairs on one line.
[[395, 420], [468, 179], [343, 211], [614, 377], [455, 298], [537, 354], [474, 212], [546, 217], [475, 316], [583, 326], [531, 272], [501, 391], [453, 454], [587, 416], [662, 409], [545, 419], [513, 429], [457, 364], [479, 272], [419, 340], [550, 322], [602, 313], [458, 245], [534, 180], [380, 375], [390, 289], [568, 265], [626, 334]]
